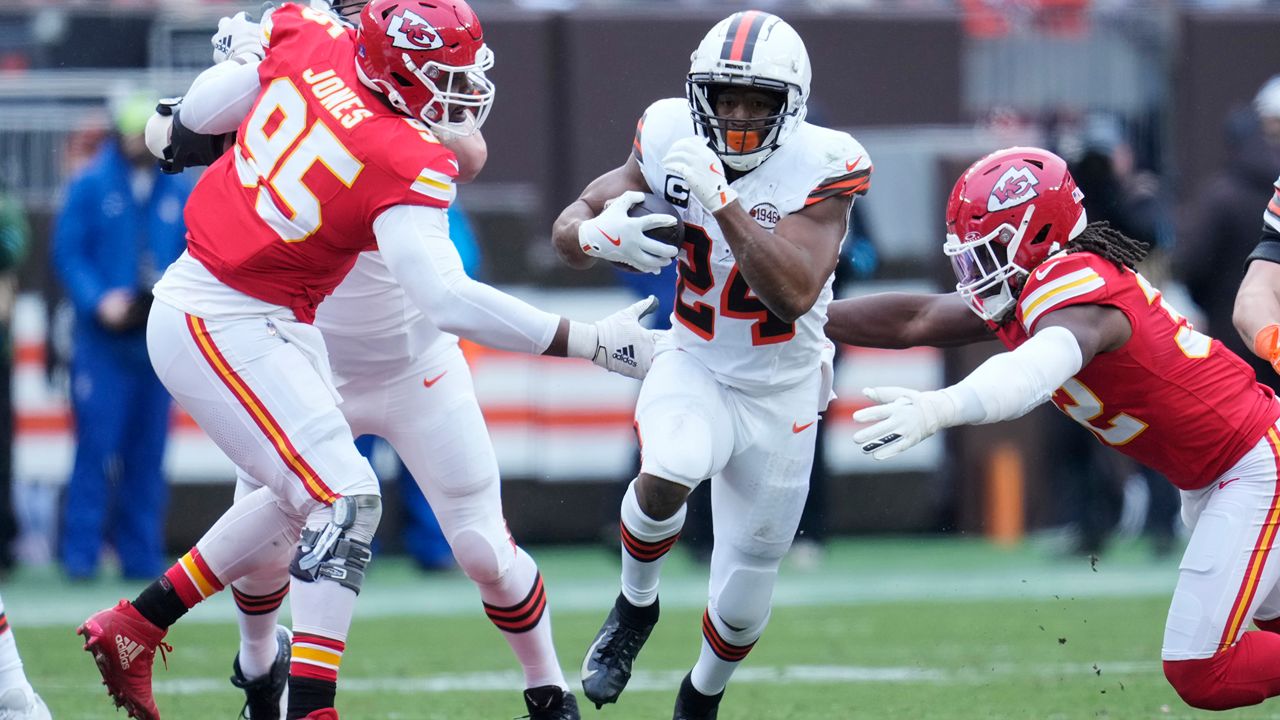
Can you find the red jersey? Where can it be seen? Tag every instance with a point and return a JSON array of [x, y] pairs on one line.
[[283, 216], [1171, 398]]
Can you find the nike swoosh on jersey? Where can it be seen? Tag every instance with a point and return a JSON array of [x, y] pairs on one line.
[[796, 428], [432, 381], [849, 166], [1056, 291]]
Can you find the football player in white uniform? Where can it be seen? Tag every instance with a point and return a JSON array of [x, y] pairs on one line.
[[736, 387]]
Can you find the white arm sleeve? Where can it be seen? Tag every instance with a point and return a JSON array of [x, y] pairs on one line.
[[1011, 384], [414, 242], [220, 97]]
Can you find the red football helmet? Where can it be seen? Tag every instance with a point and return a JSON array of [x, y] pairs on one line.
[[1007, 213], [429, 59]]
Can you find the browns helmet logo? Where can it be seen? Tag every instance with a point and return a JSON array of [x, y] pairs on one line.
[[1016, 186], [410, 32]]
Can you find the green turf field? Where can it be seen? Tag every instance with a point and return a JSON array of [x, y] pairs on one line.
[[911, 629]]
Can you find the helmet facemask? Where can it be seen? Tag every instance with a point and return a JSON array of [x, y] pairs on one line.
[[989, 280], [743, 149], [461, 95]]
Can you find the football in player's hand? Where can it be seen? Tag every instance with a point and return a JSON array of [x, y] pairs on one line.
[[671, 235]]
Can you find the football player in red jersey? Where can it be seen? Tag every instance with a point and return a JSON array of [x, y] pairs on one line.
[[338, 151], [403, 379], [1257, 310], [1087, 332]]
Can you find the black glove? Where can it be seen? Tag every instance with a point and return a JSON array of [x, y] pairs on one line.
[[139, 310], [186, 148]]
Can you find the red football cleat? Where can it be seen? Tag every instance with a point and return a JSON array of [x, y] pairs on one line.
[[322, 714], [124, 644]]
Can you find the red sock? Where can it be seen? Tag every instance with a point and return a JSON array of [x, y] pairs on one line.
[[192, 579], [1244, 674]]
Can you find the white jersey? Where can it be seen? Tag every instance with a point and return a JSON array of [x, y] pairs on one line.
[[717, 318], [371, 310]]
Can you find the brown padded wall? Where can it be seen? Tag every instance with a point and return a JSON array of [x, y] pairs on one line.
[[1222, 61], [520, 130]]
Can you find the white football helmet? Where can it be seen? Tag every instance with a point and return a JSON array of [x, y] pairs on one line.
[[756, 50]]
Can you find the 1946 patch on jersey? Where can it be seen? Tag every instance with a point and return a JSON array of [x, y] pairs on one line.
[[766, 215]]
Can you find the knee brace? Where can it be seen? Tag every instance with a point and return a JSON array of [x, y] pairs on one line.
[[743, 602], [484, 557], [340, 550]]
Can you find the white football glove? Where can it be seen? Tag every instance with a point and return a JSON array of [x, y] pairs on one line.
[[691, 159], [159, 130], [621, 344], [616, 236], [905, 418], [236, 36]]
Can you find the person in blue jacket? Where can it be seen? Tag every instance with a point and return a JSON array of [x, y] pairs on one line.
[[120, 226]]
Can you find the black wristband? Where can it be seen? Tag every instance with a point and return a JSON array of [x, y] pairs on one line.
[[1268, 248], [189, 149]]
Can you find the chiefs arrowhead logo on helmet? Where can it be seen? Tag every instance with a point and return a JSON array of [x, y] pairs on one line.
[[1016, 186], [410, 32]]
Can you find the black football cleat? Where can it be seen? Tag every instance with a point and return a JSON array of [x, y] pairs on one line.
[[693, 705], [264, 696], [550, 702], [607, 667]]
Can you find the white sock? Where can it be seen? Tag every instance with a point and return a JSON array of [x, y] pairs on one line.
[[645, 544], [257, 615], [11, 672], [722, 652], [517, 605]]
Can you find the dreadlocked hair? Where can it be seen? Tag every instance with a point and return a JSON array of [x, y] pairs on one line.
[[1105, 241]]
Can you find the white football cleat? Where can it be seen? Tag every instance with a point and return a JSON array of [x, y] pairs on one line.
[[21, 703]]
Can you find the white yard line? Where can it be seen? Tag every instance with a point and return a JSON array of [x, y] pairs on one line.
[[667, 680], [453, 595]]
